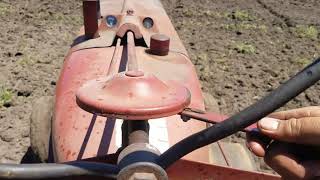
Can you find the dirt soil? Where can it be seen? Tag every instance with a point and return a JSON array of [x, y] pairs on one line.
[[242, 49]]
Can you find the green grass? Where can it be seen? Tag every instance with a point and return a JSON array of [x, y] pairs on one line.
[[188, 13], [244, 22], [203, 57], [244, 26], [309, 32], [240, 15], [244, 48], [220, 60], [4, 9], [302, 61], [26, 60], [213, 14], [5, 97]]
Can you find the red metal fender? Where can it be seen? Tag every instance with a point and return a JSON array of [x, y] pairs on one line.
[[188, 170]]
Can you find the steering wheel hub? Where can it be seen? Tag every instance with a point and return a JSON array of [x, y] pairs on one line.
[[133, 95]]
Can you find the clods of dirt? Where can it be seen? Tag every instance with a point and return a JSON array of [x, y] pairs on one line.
[[242, 49], [35, 36]]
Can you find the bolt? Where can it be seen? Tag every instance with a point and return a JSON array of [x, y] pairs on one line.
[[159, 44], [130, 12], [143, 176]]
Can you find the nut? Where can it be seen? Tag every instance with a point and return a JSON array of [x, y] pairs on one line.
[[130, 12], [143, 176]]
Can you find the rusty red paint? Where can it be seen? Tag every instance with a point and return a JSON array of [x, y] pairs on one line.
[[132, 64], [154, 10], [99, 59], [68, 153], [188, 170], [134, 73], [90, 18], [159, 44], [116, 59], [142, 97], [129, 27], [94, 63]]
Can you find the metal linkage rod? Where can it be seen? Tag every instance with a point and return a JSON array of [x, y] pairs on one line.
[[53, 170], [132, 58], [116, 59]]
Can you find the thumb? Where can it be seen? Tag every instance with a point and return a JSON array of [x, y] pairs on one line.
[[301, 131]]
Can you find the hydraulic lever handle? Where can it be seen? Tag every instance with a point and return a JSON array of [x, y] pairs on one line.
[[208, 117]]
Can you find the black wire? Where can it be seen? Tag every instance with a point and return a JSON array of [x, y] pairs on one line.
[[53, 170], [277, 98]]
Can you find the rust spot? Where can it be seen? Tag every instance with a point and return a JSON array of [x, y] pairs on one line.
[[74, 127], [100, 121], [86, 128], [61, 123], [98, 132], [200, 169], [68, 154], [84, 116], [73, 154]]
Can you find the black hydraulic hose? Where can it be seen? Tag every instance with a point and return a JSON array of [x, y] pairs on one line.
[[277, 98], [53, 170]]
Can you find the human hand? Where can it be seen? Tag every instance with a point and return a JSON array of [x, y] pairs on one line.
[[292, 146]]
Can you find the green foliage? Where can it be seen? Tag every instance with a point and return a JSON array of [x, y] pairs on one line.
[[188, 13], [245, 26], [302, 61], [5, 97], [241, 15], [244, 48], [4, 9], [309, 32], [26, 60]]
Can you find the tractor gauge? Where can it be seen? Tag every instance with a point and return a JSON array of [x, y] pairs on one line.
[[147, 22], [111, 21]]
